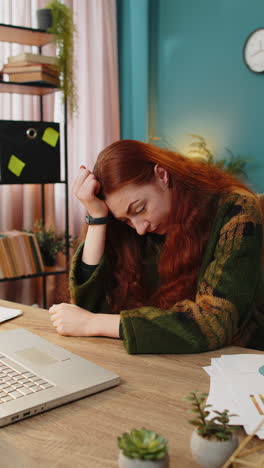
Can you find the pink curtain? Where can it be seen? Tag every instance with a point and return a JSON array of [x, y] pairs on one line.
[[97, 123], [95, 126]]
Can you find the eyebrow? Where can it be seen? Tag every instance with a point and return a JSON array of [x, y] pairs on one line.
[[129, 208]]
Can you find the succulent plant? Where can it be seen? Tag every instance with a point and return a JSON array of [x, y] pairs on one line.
[[216, 428], [143, 444]]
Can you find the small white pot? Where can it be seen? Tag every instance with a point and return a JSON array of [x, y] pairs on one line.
[[212, 453], [126, 462]]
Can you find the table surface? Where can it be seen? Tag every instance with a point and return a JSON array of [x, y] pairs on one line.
[[83, 433]]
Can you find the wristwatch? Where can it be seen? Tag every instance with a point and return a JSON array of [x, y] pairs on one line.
[[90, 220]]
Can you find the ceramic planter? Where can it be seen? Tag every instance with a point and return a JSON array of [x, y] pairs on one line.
[[125, 462], [212, 453], [44, 18]]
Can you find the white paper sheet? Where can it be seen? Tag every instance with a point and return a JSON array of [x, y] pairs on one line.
[[6, 313], [237, 384]]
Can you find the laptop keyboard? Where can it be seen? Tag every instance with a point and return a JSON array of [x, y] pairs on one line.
[[16, 381]]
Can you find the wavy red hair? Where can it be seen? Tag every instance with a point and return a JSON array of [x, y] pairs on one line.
[[195, 187]]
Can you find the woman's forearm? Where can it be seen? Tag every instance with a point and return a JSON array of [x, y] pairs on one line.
[[107, 325], [94, 245], [86, 188], [71, 320]]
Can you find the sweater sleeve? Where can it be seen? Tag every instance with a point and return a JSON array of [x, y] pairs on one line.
[[86, 272], [222, 313], [88, 283]]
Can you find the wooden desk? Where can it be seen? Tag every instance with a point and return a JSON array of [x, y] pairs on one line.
[[83, 433]]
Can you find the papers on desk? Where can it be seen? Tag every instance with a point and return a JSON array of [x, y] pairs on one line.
[[237, 384], [6, 313]]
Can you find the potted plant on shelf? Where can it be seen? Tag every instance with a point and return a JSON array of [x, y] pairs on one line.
[[60, 23], [50, 243], [142, 449], [213, 440], [44, 18], [235, 165], [199, 150]]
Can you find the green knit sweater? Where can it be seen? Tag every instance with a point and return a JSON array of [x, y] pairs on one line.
[[229, 304]]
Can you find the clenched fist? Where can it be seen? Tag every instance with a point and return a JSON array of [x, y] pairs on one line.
[[71, 320], [85, 188]]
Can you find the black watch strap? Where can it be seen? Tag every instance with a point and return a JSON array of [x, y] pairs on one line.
[[90, 220]]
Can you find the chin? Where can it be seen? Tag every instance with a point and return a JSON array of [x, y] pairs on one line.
[[161, 231]]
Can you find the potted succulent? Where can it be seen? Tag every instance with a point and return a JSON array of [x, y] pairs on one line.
[[213, 440], [58, 20], [142, 449], [50, 243]]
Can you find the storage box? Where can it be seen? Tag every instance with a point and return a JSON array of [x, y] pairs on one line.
[[29, 152]]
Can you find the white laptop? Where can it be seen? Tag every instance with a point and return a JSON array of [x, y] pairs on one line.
[[36, 375]]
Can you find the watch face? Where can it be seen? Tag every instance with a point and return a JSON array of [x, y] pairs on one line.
[[254, 51]]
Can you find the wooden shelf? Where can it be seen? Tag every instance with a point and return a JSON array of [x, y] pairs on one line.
[[33, 183], [53, 270], [22, 88], [25, 36]]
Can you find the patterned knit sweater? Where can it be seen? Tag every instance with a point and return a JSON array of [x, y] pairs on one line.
[[229, 304]]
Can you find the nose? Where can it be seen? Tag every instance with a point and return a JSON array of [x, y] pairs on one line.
[[141, 227]]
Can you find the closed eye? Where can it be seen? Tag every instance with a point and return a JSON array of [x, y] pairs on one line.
[[140, 210]]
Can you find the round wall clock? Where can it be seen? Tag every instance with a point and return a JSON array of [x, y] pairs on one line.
[[254, 51]]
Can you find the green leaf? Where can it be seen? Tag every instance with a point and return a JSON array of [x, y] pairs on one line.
[[234, 428], [195, 422], [143, 444], [222, 436]]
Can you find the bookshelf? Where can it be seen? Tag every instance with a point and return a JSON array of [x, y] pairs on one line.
[[19, 88], [24, 36], [37, 37]]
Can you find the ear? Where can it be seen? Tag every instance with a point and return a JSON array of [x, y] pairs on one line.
[[161, 175]]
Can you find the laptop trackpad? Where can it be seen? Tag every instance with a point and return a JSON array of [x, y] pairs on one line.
[[36, 356]]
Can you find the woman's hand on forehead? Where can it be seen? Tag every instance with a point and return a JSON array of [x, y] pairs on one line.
[[85, 188]]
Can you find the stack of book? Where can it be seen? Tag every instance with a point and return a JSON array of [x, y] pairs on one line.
[[19, 254], [33, 68]]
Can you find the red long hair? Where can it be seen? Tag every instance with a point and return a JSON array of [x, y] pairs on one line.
[[195, 187]]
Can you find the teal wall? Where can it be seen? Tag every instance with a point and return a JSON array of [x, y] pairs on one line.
[[197, 80], [133, 52]]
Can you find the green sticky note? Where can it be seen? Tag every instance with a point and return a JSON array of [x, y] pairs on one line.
[[50, 136], [15, 165]]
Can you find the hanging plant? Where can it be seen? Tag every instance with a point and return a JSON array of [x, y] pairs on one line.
[[63, 29]]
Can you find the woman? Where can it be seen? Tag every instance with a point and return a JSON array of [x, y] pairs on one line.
[[171, 261]]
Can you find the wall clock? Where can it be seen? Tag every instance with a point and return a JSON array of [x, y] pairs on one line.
[[254, 51]]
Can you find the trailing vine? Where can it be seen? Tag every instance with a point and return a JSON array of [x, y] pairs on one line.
[[63, 29]]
